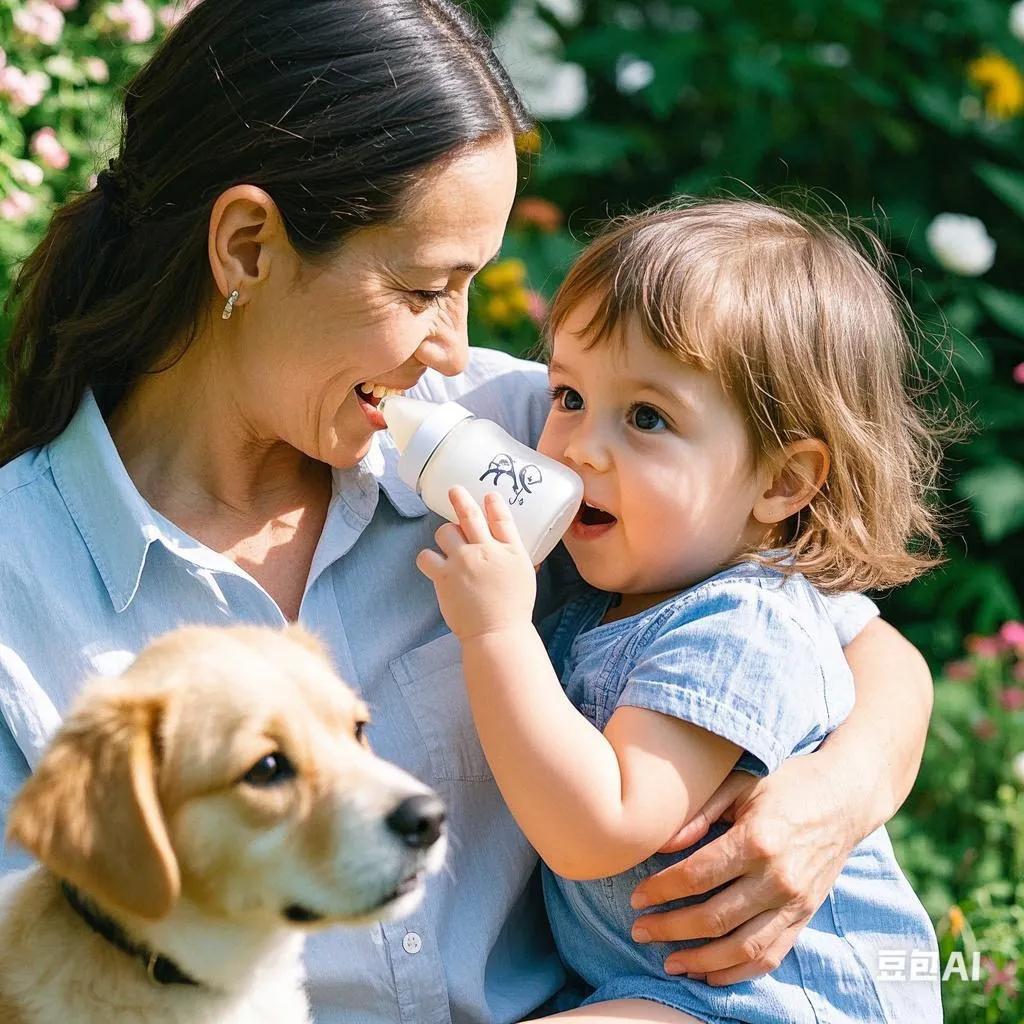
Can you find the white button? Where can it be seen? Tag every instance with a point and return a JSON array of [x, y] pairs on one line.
[[412, 943]]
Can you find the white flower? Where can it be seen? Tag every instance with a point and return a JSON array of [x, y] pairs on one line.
[[961, 244], [1017, 764], [568, 12], [1017, 20], [531, 51], [27, 172], [96, 68], [16, 206], [40, 20], [633, 74]]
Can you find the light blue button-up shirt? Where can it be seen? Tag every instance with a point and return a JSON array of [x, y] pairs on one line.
[[89, 572]]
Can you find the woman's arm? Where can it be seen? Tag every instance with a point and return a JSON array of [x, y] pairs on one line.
[[591, 803], [794, 830]]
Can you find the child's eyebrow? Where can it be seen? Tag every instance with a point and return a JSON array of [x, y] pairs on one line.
[[670, 395]]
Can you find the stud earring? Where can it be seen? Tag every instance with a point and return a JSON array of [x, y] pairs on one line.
[[229, 306]]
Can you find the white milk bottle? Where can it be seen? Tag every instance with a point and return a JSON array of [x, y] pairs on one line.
[[444, 445]]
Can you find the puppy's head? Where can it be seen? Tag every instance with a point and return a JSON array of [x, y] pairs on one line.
[[230, 765]]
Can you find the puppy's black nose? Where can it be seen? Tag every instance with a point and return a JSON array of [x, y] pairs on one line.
[[418, 820]]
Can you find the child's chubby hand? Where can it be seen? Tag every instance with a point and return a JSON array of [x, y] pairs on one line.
[[483, 577]]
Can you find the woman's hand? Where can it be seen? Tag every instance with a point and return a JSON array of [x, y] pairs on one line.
[[483, 576], [787, 845]]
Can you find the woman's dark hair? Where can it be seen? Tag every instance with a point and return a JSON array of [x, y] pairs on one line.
[[334, 107]]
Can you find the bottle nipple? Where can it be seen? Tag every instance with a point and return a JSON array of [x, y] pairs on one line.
[[404, 416]]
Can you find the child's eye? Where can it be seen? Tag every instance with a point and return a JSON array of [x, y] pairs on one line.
[[567, 398], [646, 417]]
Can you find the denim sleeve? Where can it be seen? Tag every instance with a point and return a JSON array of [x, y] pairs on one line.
[[849, 614], [736, 661]]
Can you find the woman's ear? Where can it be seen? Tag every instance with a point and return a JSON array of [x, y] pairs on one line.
[[798, 474]]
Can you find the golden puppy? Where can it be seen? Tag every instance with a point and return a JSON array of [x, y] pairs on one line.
[[193, 817]]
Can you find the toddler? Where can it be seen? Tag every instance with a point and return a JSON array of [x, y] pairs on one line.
[[728, 379]]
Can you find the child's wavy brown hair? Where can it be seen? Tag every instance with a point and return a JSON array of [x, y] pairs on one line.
[[800, 320]]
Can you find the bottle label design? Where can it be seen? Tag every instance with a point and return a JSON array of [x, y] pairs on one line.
[[522, 478]]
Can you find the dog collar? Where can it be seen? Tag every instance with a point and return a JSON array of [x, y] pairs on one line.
[[160, 969]]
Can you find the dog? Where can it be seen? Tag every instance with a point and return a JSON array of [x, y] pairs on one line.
[[193, 818]]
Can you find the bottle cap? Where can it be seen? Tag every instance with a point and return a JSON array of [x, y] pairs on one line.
[[418, 428]]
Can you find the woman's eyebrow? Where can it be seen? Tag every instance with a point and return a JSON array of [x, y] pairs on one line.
[[463, 268]]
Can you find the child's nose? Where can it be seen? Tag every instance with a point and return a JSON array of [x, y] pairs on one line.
[[588, 447]]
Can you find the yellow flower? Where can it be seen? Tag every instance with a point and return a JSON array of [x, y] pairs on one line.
[[504, 276], [518, 300], [956, 920], [499, 312], [1002, 82], [528, 142]]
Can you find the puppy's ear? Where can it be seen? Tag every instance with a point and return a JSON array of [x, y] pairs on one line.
[[91, 812]]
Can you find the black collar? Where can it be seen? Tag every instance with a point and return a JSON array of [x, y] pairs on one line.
[[160, 968]]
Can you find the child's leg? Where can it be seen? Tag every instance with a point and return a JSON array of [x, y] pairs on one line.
[[622, 1011]]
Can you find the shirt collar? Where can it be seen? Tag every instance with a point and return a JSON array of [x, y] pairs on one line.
[[114, 520], [118, 525]]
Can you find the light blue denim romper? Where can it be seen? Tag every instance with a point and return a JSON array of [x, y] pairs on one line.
[[752, 657]]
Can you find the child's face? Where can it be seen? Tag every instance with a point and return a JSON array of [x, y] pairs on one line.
[[663, 453]]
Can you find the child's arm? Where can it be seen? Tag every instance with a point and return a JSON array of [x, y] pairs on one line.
[[591, 804]]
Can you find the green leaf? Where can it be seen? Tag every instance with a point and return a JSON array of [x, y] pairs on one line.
[[1008, 185], [938, 106], [1006, 308], [997, 494]]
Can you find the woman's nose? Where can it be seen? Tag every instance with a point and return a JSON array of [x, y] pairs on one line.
[[446, 349]]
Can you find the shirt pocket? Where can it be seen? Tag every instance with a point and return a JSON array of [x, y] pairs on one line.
[[430, 678]]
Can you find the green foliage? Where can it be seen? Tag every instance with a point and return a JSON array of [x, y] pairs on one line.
[[960, 838]]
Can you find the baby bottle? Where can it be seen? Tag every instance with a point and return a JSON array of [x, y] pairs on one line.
[[444, 445]]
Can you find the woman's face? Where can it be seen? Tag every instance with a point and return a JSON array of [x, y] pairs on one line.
[[306, 342]]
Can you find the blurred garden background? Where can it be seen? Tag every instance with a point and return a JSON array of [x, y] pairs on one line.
[[907, 113]]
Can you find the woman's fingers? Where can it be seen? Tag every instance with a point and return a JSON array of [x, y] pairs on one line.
[[718, 805], [773, 955], [718, 916], [713, 865], [756, 947], [499, 519], [471, 518]]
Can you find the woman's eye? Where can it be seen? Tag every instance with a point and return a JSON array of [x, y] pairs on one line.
[[270, 770], [430, 297], [646, 417], [567, 398]]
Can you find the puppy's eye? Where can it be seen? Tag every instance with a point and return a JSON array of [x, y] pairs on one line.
[[270, 770], [361, 728]]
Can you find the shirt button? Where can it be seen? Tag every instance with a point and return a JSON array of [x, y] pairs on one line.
[[412, 943]]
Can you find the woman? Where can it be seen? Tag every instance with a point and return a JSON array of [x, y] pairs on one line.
[[303, 193]]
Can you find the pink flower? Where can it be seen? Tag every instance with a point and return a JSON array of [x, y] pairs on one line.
[[47, 147], [985, 646], [1018, 373], [985, 729], [27, 172], [65, 5], [1012, 634], [17, 206], [536, 307], [962, 671], [39, 20], [172, 13], [24, 91], [133, 19], [1012, 698], [1000, 977], [96, 68]]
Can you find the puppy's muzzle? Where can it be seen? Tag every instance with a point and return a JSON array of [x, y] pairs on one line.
[[418, 820]]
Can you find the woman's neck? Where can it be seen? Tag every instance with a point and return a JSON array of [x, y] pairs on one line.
[[193, 453]]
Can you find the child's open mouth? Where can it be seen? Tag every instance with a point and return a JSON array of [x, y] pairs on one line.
[[591, 522]]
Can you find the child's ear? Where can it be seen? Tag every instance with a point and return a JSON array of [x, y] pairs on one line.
[[797, 475]]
